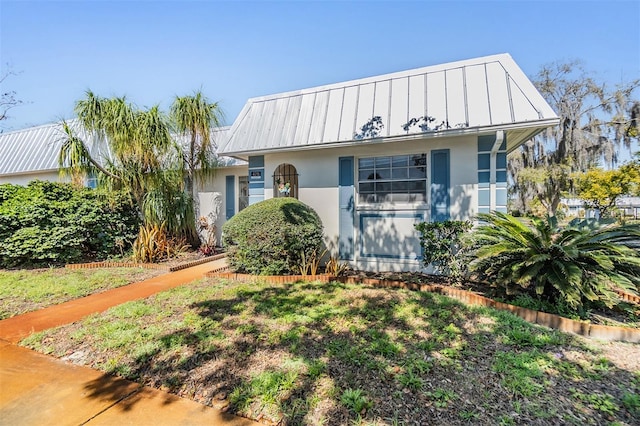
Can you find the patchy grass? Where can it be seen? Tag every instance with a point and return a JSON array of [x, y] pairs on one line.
[[334, 354], [28, 290]]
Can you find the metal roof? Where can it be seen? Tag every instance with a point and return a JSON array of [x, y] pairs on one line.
[[474, 95], [36, 149]]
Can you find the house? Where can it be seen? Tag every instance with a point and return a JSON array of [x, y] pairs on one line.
[[30, 154], [372, 156], [377, 155], [626, 206]]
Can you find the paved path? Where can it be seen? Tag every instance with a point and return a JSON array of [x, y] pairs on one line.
[[36, 389], [17, 328]]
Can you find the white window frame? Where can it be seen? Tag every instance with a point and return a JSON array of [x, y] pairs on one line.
[[390, 174]]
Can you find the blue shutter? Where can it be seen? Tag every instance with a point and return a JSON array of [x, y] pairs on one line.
[[256, 179], [230, 196], [347, 208], [440, 185]]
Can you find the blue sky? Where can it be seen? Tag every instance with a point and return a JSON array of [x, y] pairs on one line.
[[152, 51]]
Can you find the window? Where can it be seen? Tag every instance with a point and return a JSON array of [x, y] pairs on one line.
[[92, 181], [243, 191], [285, 181], [401, 178]]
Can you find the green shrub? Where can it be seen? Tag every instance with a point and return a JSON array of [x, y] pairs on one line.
[[442, 246], [582, 261], [50, 223], [153, 244], [270, 237]]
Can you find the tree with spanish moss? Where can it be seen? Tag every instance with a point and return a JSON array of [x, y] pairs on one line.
[[596, 124]]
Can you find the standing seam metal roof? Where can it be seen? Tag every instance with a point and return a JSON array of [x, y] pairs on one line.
[[36, 149], [472, 94]]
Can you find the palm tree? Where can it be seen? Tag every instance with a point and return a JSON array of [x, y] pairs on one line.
[[194, 117], [74, 158], [143, 158], [584, 260]]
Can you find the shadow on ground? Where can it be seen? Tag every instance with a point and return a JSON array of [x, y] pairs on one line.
[[311, 353]]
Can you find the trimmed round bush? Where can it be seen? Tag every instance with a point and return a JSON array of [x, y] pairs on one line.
[[269, 237]]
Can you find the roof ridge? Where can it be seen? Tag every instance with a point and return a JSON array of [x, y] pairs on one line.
[[386, 76]]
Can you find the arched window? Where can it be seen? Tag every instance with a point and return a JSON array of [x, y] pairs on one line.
[[285, 181]]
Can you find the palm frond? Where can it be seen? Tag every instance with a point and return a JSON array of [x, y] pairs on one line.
[[584, 260]]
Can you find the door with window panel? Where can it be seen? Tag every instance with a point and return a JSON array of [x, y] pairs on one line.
[[243, 192]]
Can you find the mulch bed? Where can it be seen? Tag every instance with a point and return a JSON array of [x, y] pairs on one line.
[[596, 316]]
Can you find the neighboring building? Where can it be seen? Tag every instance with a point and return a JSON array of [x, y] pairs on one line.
[[375, 156], [628, 207], [30, 154]]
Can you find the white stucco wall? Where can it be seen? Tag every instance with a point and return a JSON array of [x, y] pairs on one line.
[[24, 179], [217, 184], [387, 240], [384, 235]]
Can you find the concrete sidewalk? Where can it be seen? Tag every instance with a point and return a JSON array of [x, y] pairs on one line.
[[36, 389]]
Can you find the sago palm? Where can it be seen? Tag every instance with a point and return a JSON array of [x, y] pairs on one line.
[[584, 260]]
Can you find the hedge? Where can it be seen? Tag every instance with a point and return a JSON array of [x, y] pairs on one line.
[[48, 223]]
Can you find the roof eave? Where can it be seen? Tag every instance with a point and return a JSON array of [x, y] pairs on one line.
[[535, 127], [28, 172]]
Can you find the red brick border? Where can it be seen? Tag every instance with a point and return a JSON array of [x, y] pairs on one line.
[[631, 298], [197, 262], [95, 265], [595, 331], [275, 279]]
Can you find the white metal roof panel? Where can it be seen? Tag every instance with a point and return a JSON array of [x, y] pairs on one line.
[[382, 102], [417, 100], [437, 96], [32, 149], [481, 93], [36, 149], [348, 113], [319, 120], [399, 111], [332, 122]]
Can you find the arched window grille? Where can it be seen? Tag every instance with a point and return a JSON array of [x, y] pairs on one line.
[[285, 181]]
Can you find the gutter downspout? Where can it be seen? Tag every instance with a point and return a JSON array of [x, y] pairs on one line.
[[492, 169]]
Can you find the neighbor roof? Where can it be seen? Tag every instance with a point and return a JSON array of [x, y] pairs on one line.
[[36, 149], [475, 95]]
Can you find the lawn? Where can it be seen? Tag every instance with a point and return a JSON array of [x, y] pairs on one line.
[[334, 354], [28, 290]]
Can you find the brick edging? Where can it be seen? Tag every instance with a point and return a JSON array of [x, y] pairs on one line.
[[567, 325], [95, 265], [197, 262], [274, 279], [627, 297]]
